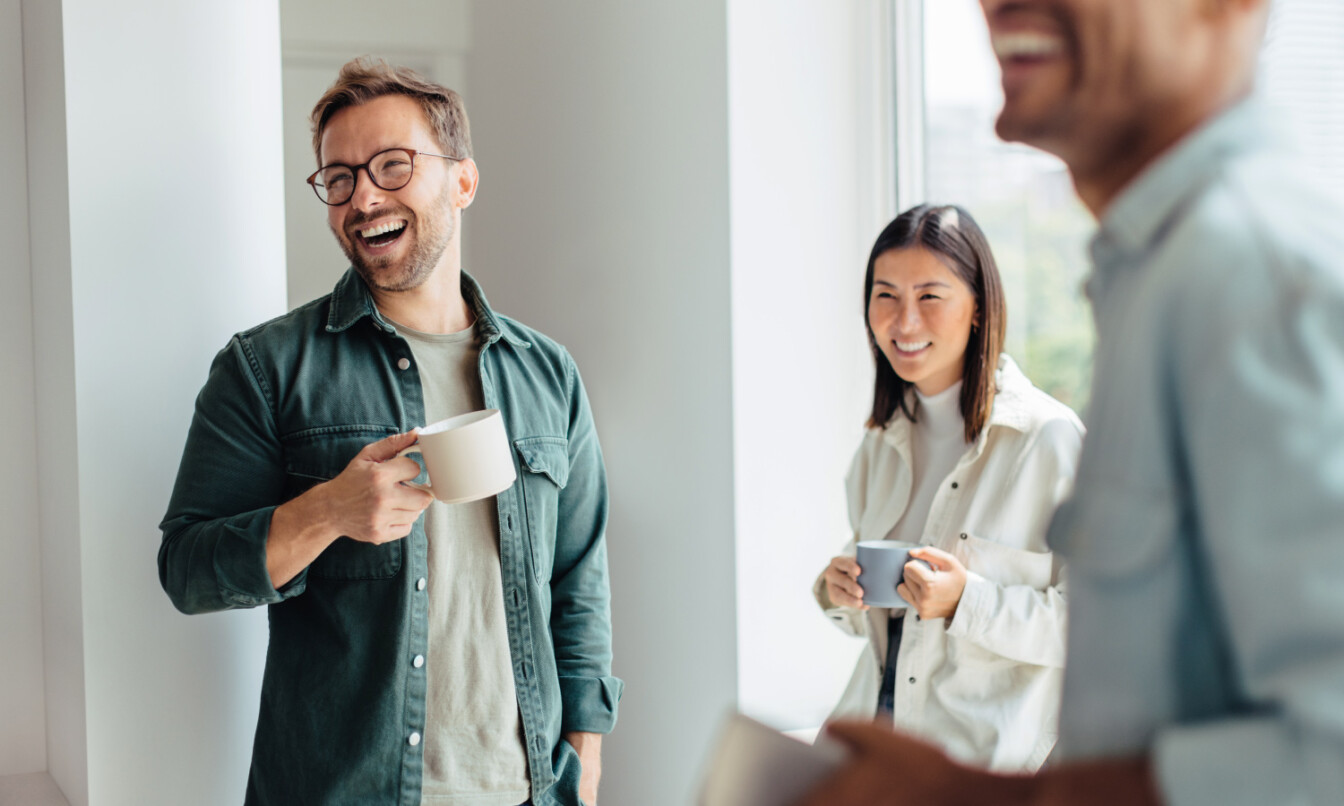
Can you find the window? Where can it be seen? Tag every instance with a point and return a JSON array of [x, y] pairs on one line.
[[1023, 198]]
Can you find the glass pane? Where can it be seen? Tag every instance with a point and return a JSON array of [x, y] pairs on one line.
[[1302, 75], [1022, 198]]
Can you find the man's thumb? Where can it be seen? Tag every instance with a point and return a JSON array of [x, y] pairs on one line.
[[388, 448]]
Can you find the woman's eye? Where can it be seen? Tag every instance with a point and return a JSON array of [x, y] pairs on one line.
[[930, 296]]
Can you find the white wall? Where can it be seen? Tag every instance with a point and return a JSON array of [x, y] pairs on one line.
[[811, 188], [144, 262], [22, 719], [602, 219], [318, 36]]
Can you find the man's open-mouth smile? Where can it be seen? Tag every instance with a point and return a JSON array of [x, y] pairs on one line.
[[381, 236]]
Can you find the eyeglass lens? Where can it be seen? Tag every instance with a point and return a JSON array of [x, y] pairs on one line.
[[390, 170]]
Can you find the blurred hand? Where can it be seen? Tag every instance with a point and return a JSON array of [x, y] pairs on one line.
[[935, 592], [891, 768], [842, 583]]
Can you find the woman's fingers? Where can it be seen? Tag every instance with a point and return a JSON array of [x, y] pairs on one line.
[[842, 583], [846, 565]]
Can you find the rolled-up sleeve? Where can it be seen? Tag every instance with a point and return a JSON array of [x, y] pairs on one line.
[[580, 584], [213, 554]]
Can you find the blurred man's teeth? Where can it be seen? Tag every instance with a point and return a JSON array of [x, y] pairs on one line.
[[1026, 45]]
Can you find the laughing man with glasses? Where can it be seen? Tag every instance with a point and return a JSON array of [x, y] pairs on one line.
[[420, 652]]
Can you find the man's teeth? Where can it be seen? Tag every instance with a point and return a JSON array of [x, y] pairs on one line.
[[912, 346], [1026, 45], [385, 227]]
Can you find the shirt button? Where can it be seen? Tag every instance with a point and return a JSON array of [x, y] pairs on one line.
[[963, 535], [954, 484], [912, 680], [418, 661], [413, 739], [403, 363], [421, 583]]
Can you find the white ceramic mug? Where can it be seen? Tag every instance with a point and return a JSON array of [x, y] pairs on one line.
[[467, 457]]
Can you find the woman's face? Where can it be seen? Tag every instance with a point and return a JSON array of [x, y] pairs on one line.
[[921, 315]]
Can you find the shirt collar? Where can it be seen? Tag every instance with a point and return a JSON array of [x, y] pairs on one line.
[[1139, 214], [351, 301]]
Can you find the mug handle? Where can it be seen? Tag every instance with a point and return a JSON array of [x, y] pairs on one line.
[[417, 485]]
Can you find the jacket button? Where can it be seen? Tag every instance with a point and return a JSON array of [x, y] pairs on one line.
[[403, 363], [912, 680], [418, 661], [413, 739], [954, 484], [421, 583], [963, 535]]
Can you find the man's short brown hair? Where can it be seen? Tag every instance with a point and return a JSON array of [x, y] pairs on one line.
[[365, 78]]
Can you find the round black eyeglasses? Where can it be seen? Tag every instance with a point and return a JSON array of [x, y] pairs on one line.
[[390, 170]]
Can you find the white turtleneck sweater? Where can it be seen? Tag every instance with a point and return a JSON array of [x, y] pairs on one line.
[[938, 440]]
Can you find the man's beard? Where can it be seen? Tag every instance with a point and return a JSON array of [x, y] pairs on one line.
[[432, 236]]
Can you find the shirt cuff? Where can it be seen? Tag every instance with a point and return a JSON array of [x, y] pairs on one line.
[[973, 597], [589, 703], [240, 562], [1247, 761]]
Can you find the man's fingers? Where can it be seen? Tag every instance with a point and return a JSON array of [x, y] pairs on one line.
[[403, 469], [859, 782], [389, 447]]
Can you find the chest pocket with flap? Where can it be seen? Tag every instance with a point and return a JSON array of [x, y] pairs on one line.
[[545, 465]]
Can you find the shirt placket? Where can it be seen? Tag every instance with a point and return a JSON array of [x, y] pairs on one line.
[[415, 673], [513, 572]]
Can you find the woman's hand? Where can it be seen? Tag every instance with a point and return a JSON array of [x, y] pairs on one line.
[[934, 593], [842, 583]]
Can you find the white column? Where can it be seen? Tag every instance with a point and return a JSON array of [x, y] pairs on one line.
[[157, 221]]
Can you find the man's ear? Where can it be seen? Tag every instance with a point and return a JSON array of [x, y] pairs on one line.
[[468, 179]]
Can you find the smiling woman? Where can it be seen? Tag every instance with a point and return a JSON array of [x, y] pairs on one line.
[[963, 464]]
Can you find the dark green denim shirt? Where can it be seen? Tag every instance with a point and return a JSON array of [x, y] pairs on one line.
[[286, 406]]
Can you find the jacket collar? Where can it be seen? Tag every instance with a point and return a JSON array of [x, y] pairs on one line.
[[351, 301], [1011, 409]]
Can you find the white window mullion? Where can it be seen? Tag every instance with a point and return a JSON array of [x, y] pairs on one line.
[[908, 113]]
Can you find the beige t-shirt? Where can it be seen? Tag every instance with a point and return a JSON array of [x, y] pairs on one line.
[[473, 740]]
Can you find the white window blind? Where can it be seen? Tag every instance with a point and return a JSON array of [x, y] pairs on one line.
[[1302, 72]]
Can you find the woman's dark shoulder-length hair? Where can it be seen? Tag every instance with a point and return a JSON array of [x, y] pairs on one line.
[[949, 232]]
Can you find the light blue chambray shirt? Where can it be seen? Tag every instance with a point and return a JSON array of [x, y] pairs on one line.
[[1205, 540]]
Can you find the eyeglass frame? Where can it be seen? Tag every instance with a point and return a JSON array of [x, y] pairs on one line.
[[355, 169]]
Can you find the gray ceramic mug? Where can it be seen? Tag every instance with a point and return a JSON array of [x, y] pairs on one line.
[[882, 565]]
